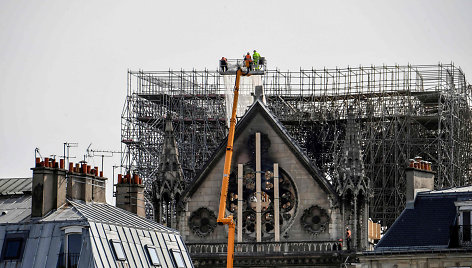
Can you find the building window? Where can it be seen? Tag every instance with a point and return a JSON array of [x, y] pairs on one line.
[[178, 259], [13, 246], [466, 226], [118, 249], [152, 253], [71, 247]]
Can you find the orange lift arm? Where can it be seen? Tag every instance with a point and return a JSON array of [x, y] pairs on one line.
[[227, 168]]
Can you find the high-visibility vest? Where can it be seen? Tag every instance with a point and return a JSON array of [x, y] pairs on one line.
[[256, 56]]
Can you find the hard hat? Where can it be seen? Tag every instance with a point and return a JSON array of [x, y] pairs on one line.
[[254, 50]]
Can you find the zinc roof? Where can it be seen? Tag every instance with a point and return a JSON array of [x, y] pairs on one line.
[[105, 213], [12, 186], [15, 209]]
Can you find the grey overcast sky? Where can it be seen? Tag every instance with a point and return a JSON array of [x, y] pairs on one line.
[[63, 64]]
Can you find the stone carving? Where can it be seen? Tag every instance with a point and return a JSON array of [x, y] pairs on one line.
[[202, 222], [315, 220]]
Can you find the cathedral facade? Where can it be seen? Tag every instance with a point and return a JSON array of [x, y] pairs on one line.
[[285, 208]]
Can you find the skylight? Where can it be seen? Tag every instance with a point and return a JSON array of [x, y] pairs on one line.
[[152, 251], [118, 249], [179, 260]]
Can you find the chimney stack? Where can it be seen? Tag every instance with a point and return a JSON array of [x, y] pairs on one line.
[[85, 184], [130, 194], [49, 187], [419, 178]]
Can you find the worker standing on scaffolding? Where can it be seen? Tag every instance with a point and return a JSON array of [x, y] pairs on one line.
[[256, 57], [248, 61], [224, 64]]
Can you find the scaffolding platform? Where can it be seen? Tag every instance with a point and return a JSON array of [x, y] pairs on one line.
[[232, 66]]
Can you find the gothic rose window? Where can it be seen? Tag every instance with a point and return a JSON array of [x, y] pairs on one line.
[[287, 197], [315, 220], [202, 222]]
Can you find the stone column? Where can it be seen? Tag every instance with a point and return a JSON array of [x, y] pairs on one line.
[[258, 189], [344, 224], [276, 203], [354, 234], [240, 203]]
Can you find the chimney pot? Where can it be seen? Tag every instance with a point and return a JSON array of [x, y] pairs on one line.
[[120, 179], [46, 161], [96, 172], [61, 163], [101, 174]]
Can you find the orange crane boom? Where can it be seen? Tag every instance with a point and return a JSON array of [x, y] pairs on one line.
[[227, 168]]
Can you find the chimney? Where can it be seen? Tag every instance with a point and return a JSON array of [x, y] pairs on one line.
[[130, 194], [419, 178], [49, 187], [85, 184]]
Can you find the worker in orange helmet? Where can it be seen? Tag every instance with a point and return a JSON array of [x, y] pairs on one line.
[[248, 61], [348, 238]]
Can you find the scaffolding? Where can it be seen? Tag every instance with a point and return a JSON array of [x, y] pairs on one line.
[[403, 111]]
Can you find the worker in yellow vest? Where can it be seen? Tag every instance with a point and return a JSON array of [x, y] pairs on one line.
[[255, 58]]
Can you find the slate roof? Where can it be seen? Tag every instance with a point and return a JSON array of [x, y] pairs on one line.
[[427, 224], [259, 107], [12, 186]]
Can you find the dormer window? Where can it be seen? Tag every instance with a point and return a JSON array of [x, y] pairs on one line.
[[464, 209], [71, 247], [13, 246], [466, 226]]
